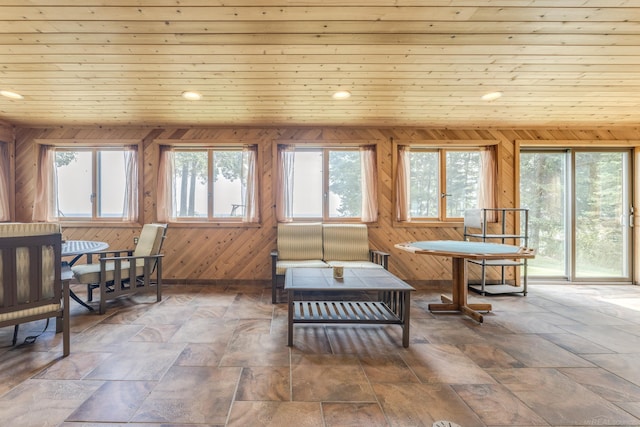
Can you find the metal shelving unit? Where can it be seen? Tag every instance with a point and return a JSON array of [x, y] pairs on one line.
[[476, 227]]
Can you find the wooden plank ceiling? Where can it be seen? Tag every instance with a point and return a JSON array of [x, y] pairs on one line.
[[277, 62]]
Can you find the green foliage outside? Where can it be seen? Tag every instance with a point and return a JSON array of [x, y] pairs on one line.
[[345, 182], [599, 209]]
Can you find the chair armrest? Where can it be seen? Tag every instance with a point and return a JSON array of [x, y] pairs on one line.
[[130, 257], [379, 257], [108, 253]]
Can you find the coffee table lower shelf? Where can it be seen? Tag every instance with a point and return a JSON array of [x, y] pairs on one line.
[[360, 312]]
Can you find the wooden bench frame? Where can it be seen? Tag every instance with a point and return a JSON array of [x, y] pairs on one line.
[[37, 306]]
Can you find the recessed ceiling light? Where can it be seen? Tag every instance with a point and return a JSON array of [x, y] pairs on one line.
[[12, 95], [491, 96], [341, 94], [192, 96]]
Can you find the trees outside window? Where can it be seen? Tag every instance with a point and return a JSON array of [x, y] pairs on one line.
[[442, 183], [209, 183]]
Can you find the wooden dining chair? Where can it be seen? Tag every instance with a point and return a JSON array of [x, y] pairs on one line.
[[126, 271]]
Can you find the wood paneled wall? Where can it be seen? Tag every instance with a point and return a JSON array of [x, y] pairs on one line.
[[221, 252]]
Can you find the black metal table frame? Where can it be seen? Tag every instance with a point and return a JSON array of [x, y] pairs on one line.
[[97, 247]]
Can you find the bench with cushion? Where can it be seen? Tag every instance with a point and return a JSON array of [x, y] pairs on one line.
[[322, 245], [31, 285]]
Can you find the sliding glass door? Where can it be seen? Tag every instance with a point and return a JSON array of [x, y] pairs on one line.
[[579, 202]]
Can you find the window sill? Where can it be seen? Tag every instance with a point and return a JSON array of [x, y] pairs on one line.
[[427, 224], [98, 224], [213, 224]]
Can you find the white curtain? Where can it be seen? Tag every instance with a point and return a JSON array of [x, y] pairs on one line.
[[284, 190], [251, 196], [403, 187], [130, 210], [369, 174], [45, 204], [488, 181], [165, 196], [5, 191]]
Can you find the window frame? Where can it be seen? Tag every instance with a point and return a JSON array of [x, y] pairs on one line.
[[326, 147], [442, 147], [210, 217], [100, 145]]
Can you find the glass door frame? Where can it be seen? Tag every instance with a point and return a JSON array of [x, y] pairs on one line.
[[629, 180]]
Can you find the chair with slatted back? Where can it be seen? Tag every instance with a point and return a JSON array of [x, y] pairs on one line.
[[126, 272]]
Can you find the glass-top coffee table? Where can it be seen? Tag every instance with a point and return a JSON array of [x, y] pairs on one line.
[[390, 303]]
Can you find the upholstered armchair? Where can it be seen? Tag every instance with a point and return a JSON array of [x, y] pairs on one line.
[[125, 272]]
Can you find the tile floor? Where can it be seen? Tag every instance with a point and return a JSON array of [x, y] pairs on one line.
[[217, 356]]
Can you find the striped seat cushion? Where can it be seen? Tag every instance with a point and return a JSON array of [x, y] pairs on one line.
[[354, 264], [90, 273], [345, 242], [281, 266], [49, 308]]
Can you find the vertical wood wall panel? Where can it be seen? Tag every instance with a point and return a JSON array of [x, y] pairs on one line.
[[222, 252]]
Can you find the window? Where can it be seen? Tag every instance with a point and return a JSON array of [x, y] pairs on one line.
[[211, 183], [94, 184], [327, 183], [436, 184]]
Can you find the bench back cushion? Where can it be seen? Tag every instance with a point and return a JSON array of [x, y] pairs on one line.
[[346, 242], [298, 241], [23, 258]]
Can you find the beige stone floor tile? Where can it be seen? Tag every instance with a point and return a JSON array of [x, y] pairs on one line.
[[387, 368], [338, 414], [560, 400], [105, 336], [74, 367], [444, 363], [256, 350], [329, 378], [191, 395], [156, 333], [18, 365], [166, 363], [351, 338], [202, 354], [205, 330], [608, 337], [166, 314], [411, 404], [138, 361], [41, 402], [626, 365], [114, 401], [489, 356], [604, 383], [575, 344], [534, 351], [275, 414], [264, 383], [496, 405]]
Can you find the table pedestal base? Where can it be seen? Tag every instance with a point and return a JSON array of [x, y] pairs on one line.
[[459, 292], [470, 310]]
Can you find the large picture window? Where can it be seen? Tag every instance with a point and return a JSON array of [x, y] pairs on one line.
[[438, 184], [87, 184], [327, 183], [205, 184]]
